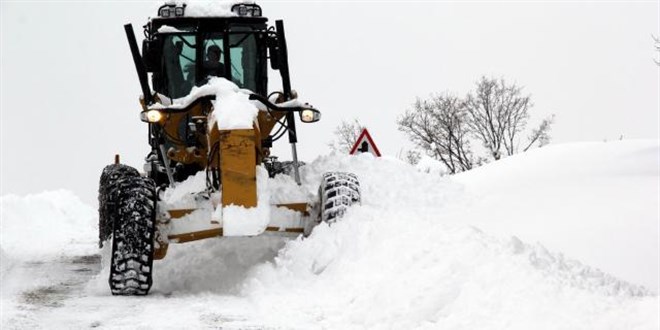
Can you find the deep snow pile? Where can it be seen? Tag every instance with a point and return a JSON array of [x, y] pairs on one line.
[[450, 277], [597, 202], [46, 224], [405, 260]]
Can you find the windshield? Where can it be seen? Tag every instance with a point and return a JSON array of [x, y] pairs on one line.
[[242, 53], [190, 60], [179, 65]]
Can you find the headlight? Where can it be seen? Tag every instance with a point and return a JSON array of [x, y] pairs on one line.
[[310, 115], [151, 116]]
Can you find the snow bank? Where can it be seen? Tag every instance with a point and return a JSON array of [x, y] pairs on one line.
[[46, 224], [404, 260], [34, 230], [594, 201], [356, 276]]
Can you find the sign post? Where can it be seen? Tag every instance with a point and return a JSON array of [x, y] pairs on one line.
[[365, 143]]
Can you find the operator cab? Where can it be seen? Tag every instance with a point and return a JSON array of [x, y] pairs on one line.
[[184, 51], [186, 46]]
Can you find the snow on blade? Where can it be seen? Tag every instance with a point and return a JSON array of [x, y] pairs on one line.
[[182, 196], [235, 220], [241, 221]]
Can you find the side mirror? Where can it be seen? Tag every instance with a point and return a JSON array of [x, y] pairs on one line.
[[150, 54], [309, 115]]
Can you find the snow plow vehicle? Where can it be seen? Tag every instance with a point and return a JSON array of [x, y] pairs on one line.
[[211, 124]]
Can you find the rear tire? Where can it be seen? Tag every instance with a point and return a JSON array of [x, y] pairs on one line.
[[109, 177], [133, 233], [338, 191]]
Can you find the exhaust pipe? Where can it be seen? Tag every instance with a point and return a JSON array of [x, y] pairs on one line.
[[139, 65]]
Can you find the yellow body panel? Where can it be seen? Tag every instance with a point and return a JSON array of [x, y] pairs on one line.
[[238, 168]]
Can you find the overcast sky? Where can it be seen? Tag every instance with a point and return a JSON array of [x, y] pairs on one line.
[[69, 91]]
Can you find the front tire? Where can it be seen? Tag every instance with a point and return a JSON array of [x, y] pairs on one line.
[[338, 191], [132, 236]]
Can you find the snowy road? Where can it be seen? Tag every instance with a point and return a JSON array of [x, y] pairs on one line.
[[422, 252], [59, 281], [69, 295]]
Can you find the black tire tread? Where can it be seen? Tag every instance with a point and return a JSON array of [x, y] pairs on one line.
[[133, 236], [338, 191], [109, 177]]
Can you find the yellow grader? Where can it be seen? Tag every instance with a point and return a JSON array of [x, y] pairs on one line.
[[182, 52]]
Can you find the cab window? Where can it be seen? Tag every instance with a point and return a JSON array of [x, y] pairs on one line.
[[178, 65], [244, 58], [213, 63]]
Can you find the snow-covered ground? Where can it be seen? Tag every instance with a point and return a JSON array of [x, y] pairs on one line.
[[596, 202], [564, 237]]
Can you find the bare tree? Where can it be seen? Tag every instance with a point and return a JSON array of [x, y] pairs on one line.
[[439, 127], [496, 115], [497, 112], [541, 134], [346, 135]]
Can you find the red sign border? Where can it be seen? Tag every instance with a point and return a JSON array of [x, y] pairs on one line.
[[371, 141]]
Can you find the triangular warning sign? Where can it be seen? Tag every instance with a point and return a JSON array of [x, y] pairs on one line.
[[365, 143]]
